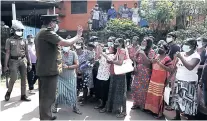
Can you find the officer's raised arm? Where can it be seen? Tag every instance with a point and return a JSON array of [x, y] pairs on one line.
[[53, 38], [69, 42]]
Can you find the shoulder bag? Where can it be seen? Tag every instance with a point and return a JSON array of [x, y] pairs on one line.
[[125, 67]]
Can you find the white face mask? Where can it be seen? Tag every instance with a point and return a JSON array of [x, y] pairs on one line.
[[186, 48], [19, 33], [31, 40], [96, 7], [168, 40], [95, 43], [142, 47], [56, 28], [66, 49], [200, 44], [112, 7], [109, 44], [77, 46]]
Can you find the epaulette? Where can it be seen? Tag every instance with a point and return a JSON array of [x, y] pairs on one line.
[[12, 37], [49, 29]]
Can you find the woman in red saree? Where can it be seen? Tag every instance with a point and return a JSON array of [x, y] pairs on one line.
[[142, 73], [161, 66]]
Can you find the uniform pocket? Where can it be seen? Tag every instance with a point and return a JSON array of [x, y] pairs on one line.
[[13, 46], [12, 65]]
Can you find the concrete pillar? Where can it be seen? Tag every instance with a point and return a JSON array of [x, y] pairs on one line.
[[54, 10], [14, 11], [48, 11]]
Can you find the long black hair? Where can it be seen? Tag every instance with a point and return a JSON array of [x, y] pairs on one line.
[[121, 41], [192, 42], [149, 45]]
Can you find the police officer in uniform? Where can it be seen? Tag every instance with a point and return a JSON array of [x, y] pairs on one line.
[[49, 64], [17, 59]]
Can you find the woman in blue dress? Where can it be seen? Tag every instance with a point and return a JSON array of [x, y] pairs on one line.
[[67, 81], [86, 60]]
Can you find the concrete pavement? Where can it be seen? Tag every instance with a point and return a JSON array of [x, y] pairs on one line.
[[15, 110]]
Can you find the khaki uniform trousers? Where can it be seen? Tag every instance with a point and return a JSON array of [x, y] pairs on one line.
[[14, 66], [47, 95]]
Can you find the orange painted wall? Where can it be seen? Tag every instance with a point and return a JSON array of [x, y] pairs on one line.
[[71, 21]]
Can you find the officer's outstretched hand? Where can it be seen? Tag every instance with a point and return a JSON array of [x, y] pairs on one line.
[[6, 68], [80, 31]]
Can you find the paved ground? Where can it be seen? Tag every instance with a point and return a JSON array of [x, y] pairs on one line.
[[15, 110]]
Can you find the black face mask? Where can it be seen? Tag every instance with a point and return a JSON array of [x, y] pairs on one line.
[[116, 46], [161, 52]]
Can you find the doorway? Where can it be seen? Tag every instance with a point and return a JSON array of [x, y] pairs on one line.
[[104, 5]]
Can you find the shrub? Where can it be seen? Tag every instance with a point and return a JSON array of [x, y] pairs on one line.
[[123, 28], [191, 32]]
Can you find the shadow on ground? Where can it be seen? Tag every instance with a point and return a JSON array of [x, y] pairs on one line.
[[33, 114], [12, 103]]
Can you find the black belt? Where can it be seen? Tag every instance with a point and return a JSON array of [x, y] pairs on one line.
[[17, 57]]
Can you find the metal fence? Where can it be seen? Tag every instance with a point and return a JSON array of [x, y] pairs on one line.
[[30, 31]]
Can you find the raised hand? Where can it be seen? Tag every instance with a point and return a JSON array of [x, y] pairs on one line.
[[80, 31]]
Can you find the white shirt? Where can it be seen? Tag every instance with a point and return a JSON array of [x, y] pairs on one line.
[[103, 69], [183, 73], [96, 14]]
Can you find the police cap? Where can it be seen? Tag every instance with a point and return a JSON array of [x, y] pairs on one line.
[[49, 18]]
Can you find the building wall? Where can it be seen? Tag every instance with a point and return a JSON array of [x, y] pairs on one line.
[[71, 21]]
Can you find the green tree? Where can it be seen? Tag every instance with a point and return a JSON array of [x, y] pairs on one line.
[[188, 12], [159, 13]]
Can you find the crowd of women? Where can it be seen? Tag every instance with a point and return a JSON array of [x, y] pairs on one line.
[[90, 68]]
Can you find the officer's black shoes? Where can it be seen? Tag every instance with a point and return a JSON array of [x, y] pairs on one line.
[[7, 96], [53, 118], [25, 98]]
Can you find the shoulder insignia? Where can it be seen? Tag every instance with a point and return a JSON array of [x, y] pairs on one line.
[[49, 29]]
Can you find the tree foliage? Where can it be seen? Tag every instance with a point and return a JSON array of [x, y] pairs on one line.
[[123, 28], [194, 31], [160, 13]]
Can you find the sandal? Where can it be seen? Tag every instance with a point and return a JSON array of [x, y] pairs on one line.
[[184, 116], [168, 108], [77, 111], [121, 115], [134, 107], [157, 116], [82, 103], [98, 107], [102, 110]]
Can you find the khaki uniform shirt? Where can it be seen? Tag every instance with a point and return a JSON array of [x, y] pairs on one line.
[[17, 46], [49, 59]]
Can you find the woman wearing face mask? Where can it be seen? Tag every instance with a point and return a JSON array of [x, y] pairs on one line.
[[110, 43], [86, 67], [142, 73], [67, 90], [184, 99], [117, 90], [81, 59], [132, 49], [162, 65]]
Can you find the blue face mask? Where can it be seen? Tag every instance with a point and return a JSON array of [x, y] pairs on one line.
[[110, 44]]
